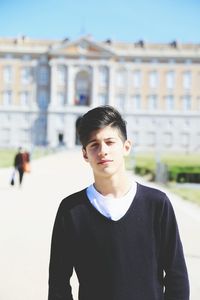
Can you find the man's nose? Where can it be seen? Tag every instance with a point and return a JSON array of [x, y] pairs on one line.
[[103, 149]]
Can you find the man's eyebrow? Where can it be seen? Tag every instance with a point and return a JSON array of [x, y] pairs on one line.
[[96, 140], [92, 141], [111, 138]]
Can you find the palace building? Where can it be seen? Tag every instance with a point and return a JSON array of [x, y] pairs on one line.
[[46, 85]]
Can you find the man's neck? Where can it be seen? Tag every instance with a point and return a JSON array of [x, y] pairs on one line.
[[115, 186]]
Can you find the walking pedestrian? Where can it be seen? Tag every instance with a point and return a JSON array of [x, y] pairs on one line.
[[121, 237], [21, 163]]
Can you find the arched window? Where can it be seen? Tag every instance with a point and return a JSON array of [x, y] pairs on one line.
[[103, 76], [61, 73], [82, 88], [121, 78], [137, 79]]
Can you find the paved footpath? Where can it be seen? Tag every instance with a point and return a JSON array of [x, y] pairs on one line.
[[27, 215]]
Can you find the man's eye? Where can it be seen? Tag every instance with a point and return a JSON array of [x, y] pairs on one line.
[[110, 142], [94, 145]]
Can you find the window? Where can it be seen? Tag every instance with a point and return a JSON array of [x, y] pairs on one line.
[[137, 102], [24, 135], [43, 99], [151, 138], [5, 120], [24, 98], [26, 57], [103, 76], [153, 79], [168, 139], [7, 98], [171, 61], [152, 102], [169, 102], [136, 138], [120, 101], [25, 119], [186, 103], [43, 59], [170, 80], [61, 74], [120, 78], [8, 56], [61, 98], [137, 79], [43, 75], [82, 88], [6, 135], [103, 99], [187, 80], [185, 139], [134, 103], [186, 124], [26, 75], [7, 74]]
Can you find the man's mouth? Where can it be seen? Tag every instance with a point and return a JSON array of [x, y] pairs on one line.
[[104, 161]]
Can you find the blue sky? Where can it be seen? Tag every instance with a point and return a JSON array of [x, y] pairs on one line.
[[126, 20]]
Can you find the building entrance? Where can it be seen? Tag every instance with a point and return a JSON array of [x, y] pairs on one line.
[[60, 139]]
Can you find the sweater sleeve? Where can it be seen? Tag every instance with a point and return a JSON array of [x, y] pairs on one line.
[[61, 258], [176, 278]]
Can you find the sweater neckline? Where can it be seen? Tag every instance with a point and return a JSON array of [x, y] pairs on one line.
[[123, 218]]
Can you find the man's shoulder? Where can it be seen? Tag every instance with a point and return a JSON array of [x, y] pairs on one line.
[[73, 200], [151, 193], [150, 189]]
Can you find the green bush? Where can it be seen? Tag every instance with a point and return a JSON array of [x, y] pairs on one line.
[[181, 167], [183, 173]]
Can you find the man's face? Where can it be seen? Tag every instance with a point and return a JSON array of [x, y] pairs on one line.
[[105, 151]]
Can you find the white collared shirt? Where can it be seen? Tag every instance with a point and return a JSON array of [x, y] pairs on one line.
[[110, 207]]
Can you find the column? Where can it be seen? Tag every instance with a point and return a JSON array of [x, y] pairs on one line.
[[94, 94], [111, 99], [33, 99], [127, 107], [51, 120], [53, 84], [70, 85]]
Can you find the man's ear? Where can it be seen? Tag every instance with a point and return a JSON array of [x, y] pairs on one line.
[[84, 154], [127, 147]]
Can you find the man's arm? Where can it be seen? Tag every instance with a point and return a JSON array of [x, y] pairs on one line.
[[61, 259], [176, 277]]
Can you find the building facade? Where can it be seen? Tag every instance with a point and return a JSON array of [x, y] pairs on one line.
[[46, 85]]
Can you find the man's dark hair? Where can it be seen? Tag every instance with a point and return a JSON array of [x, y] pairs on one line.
[[98, 118]]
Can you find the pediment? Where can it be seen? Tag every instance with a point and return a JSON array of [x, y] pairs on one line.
[[81, 47]]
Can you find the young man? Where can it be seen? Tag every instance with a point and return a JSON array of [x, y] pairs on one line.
[[120, 237]]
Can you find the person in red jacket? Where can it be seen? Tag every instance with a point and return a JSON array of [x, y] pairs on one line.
[[20, 163]]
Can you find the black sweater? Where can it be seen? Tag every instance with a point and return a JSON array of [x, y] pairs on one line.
[[138, 257]]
